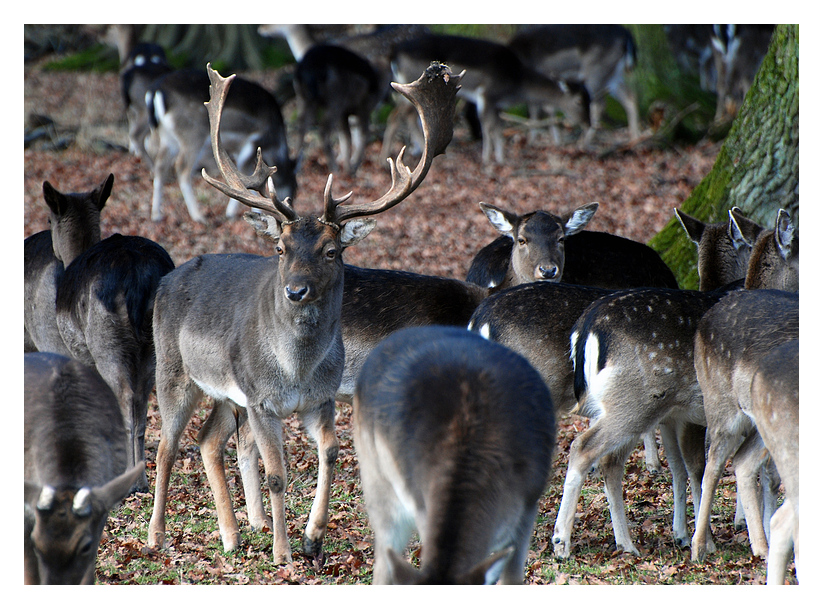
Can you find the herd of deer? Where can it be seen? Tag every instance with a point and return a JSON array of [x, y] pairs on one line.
[[455, 385]]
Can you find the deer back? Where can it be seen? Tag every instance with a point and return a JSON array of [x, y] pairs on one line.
[[376, 302], [535, 320], [74, 465], [638, 343], [457, 434]]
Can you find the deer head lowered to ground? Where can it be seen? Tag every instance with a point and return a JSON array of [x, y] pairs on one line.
[[271, 345], [454, 436], [75, 467]]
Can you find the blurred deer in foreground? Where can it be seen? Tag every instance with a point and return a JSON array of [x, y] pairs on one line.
[[730, 341], [454, 436], [279, 349], [93, 300], [75, 461]]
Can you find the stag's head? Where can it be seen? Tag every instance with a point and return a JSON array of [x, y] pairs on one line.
[[306, 244]]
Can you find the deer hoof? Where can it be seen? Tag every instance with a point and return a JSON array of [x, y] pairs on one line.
[[312, 547], [561, 548]]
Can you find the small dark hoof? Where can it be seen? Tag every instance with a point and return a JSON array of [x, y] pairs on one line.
[[313, 547]]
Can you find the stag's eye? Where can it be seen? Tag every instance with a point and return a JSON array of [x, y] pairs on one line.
[[521, 241], [331, 253], [278, 249]]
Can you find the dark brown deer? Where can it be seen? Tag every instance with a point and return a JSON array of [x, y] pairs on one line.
[[75, 460], [730, 341], [454, 436], [542, 246], [599, 56], [99, 297], [180, 135], [775, 406], [495, 78], [279, 350]]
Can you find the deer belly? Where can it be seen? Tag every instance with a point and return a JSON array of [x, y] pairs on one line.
[[228, 390]]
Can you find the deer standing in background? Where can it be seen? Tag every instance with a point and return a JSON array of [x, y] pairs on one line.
[[93, 300], [180, 135], [598, 56], [454, 436], [279, 350], [541, 246], [730, 341], [75, 467], [495, 78]]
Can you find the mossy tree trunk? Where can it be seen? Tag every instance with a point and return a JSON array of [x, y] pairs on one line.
[[757, 168]]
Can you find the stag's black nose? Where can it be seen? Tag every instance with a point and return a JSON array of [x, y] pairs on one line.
[[296, 295]]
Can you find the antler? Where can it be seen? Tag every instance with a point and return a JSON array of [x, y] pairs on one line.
[[239, 186], [433, 95]]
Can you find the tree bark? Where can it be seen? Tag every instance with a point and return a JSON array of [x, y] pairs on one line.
[[757, 168]]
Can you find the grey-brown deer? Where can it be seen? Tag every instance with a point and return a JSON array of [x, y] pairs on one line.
[[93, 300], [543, 246], [599, 56], [633, 370], [75, 467], [775, 406], [279, 350], [180, 135], [454, 436], [495, 78], [730, 341]]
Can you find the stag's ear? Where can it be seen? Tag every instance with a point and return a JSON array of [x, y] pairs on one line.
[[111, 493], [54, 199], [356, 230], [103, 192], [264, 225], [502, 220], [579, 218]]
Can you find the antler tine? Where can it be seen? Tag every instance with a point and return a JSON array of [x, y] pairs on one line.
[[434, 95], [239, 186]]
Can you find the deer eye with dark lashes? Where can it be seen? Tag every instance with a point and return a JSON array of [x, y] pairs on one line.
[[521, 241]]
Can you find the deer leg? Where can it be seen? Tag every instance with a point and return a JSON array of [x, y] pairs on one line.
[[691, 438], [650, 453], [677, 466], [770, 481], [267, 430], [612, 467], [319, 423], [585, 451], [721, 446], [780, 544], [248, 462], [748, 461], [183, 165], [176, 402], [217, 429], [161, 164], [359, 132]]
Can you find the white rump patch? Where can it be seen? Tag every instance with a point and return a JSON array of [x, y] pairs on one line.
[[597, 382]]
